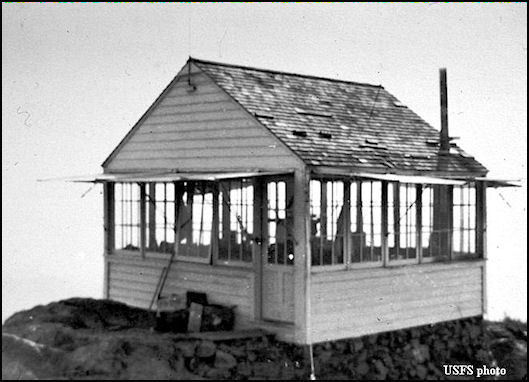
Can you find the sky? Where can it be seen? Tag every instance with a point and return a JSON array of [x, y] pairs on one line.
[[76, 77]]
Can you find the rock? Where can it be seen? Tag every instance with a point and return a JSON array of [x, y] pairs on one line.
[[206, 349], [186, 348], [357, 345], [22, 357], [13, 369], [252, 357], [266, 370], [55, 335], [214, 373], [99, 358], [382, 370], [362, 369], [244, 369], [421, 371], [324, 356], [421, 353], [224, 360]]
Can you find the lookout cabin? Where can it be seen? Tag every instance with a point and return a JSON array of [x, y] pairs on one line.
[[321, 209]]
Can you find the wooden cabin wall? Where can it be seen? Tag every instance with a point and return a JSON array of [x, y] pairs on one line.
[[204, 129], [133, 281], [354, 303]]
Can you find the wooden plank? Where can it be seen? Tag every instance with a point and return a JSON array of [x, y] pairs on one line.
[[179, 145], [204, 130], [183, 100], [222, 335], [322, 314], [351, 332], [169, 154], [235, 122], [205, 164], [412, 279], [420, 315], [197, 108], [379, 272], [366, 301]]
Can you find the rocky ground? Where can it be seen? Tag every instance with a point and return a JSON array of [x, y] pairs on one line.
[[101, 339]]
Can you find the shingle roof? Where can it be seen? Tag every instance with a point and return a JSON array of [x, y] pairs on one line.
[[328, 122]]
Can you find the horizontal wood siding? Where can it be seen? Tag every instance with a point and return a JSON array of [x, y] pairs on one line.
[[133, 281], [360, 302], [202, 129]]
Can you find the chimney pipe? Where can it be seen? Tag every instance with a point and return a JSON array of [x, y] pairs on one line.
[[444, 138]]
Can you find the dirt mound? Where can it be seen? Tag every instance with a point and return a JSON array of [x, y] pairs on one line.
[[85, 313]]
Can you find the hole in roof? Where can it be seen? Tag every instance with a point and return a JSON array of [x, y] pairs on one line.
[[266, 116], [299, 133], [420, 156], [313, 113], [371, 141], [362, 160], [325, 134], [344, 127]]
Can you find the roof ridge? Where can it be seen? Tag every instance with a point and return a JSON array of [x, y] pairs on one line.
[[283, 72]]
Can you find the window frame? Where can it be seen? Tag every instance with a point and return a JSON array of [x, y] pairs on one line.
[[217, 212], [345, 207], [418, 226], [479, 224], [360, 206]]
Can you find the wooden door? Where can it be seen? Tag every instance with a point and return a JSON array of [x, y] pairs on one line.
[[277, 255]]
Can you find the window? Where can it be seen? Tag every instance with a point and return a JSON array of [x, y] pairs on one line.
[[127, 216], [160, 220], [280, 223], [236, 220], [402, 224], [327, 222], [366, 222], [195, 220], [464, 221]]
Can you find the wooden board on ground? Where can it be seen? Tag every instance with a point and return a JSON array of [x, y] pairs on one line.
[[223, 335]]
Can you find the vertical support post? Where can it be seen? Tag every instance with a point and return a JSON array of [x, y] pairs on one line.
[[152, 216], [384, 239], [108, 234], [418, 222], [302, 256], [396, 218], [143, 215], [108, 214], [189, 226], [480, 221], [347, 221], [450, 220], [215, 225], [259, 213], [481, 228]]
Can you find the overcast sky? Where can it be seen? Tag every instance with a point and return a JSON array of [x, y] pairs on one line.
[[76, 77]]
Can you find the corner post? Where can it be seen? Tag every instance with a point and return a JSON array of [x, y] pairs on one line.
[[302, 256]]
